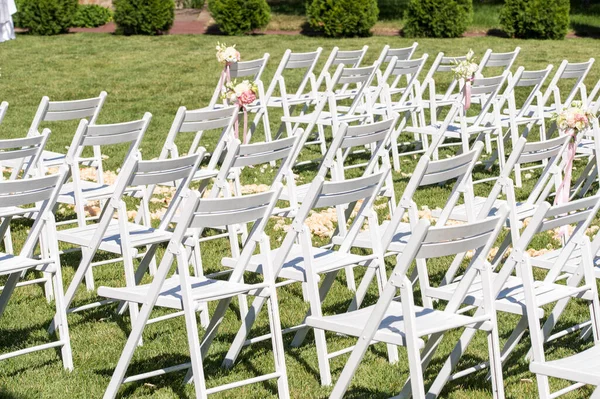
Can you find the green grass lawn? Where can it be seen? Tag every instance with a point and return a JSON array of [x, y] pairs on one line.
[[159, 74]]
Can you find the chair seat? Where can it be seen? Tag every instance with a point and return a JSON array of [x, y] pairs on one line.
[[90, 191], [586, 146], [364, 238], [459, 212], [139, 236], [512, 298], [325, 118], [14, 263], [299, 193], [453, 131], [50, 158], [170, 296], [392, 329], [581, 367], [325, 260]]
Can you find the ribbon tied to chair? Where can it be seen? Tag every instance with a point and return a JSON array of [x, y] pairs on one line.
[[467, 92], [564, 189]]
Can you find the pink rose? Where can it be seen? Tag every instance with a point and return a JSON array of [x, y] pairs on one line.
[[247, 97]]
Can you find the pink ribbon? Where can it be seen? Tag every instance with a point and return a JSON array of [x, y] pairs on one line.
[[564, 189], [225, 76], [467, 90], [236, 125], [245, 123]]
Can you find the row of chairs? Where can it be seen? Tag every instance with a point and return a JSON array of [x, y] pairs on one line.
[[484, 287]]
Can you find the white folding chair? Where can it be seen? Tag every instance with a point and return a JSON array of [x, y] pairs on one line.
[[79, 192], [515, 294], [572, 76], [504, 61], [24, 154], [121, 237], [247, 70], [199, 122], [480, 125], [42, 193], [520, 120], [298, 261], [349, 58], [53, 111], [290, 94], [398, 321], [186, 293], [427, 172], [358, 111], [403, 99], [402, 54]]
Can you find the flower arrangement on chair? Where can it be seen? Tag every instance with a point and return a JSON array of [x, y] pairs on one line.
[[227, 55], [242, 94], [466, 70], [571, 121]]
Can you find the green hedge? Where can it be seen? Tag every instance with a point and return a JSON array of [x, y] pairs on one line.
[[144, 17], [535, 19], [236, 17], [46, 17], [342, 18], [91, 16], [438, 18]]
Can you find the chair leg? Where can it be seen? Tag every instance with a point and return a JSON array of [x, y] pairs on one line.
[[242, 334], [63, 326], [283, 390], [323, 290]]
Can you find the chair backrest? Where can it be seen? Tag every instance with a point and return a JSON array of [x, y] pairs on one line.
[[441, 64], [98, 136], [359, 78], [242, 70], [293, 61], [349, 58], [41, 191], [323, 194], [533, 82], [397, 69], [504, 61], [568, 71], [402, 54], [3, 109], [429, 172], [49, 111], [434, 242], [489, 90], [240, 156], [26, 152], [199, 122]]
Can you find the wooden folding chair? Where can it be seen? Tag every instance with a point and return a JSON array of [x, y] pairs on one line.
[[42, 193], [184, 292]]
